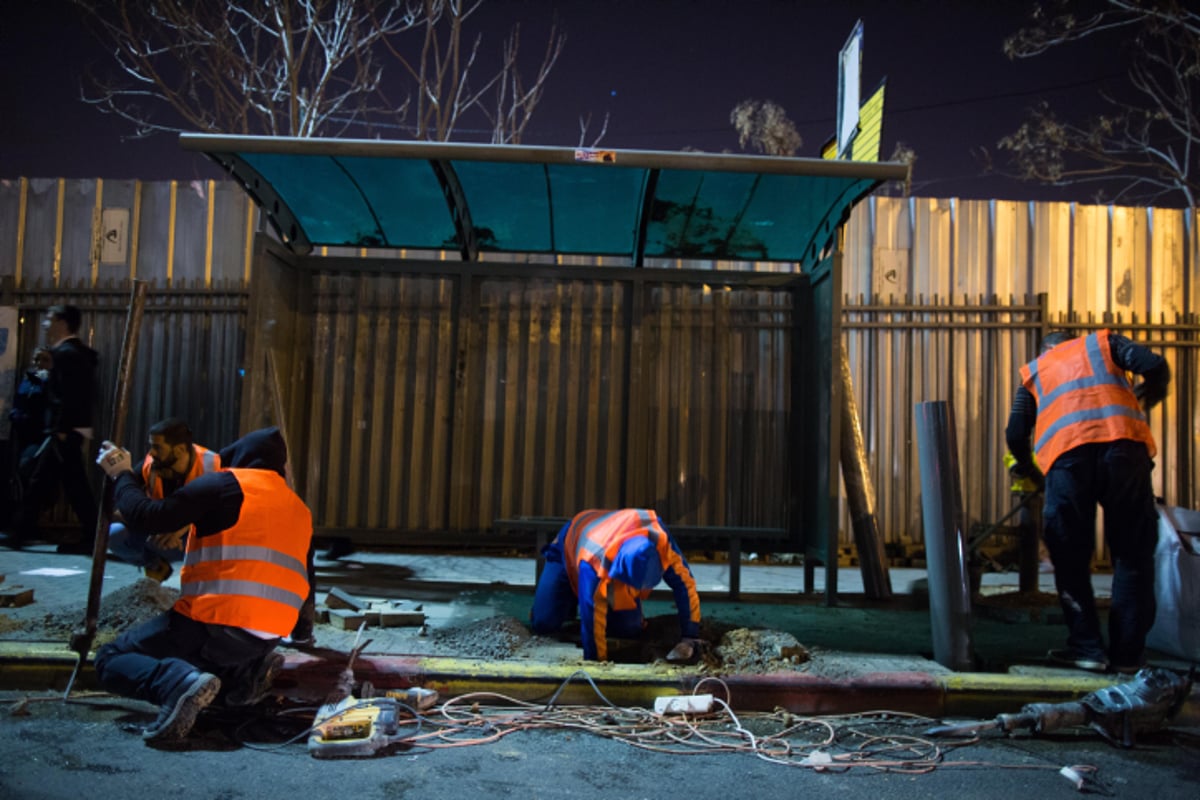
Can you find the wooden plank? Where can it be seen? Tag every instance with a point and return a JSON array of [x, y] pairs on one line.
[[1052, 254], [515, 405], [1090, 268], [533, 393], [380, 379], [485, 476], [571, 467], [440, 423], [552, 477], [1129, 244]]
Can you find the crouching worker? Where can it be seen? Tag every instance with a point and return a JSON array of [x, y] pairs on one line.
[[174, 460], [242, 584], [605, 563]]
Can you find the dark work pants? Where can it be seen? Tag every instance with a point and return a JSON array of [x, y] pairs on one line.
[[61, 463], [150, 660], [1115, 475]]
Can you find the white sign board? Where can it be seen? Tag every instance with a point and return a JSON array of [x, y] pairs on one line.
[[849, 88]]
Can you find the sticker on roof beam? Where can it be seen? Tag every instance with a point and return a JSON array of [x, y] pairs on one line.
[[603, 156]]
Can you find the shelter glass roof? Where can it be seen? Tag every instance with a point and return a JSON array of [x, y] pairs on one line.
[[513, 199]]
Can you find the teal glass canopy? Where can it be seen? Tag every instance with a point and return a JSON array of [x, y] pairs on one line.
[[473, 199]]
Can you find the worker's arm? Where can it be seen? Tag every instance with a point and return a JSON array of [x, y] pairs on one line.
[[212, 503], [593, 614], [687, 601], [1141, 360], [1021, 421]]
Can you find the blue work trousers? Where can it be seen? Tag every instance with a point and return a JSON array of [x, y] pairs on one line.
[[1115, 475], [137, 547], [555, 603]]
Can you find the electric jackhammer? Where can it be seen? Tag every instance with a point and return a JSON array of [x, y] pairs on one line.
[[1118, 713]]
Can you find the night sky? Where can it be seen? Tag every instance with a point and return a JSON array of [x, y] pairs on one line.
[[668, 72]]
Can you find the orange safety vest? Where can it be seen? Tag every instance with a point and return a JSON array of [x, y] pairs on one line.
[[595, 537], [254, 574], [202, 461], [1083, 397]]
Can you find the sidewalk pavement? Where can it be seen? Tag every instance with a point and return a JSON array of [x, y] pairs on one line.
[[874, 654]]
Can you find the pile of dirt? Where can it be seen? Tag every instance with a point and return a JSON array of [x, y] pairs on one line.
[[744, 651], [120, 610]]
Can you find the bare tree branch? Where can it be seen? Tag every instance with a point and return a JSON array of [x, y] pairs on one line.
[[306, 67], [1147, 147]]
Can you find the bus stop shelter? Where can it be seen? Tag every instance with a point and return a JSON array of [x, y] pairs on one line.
[[462, 341]]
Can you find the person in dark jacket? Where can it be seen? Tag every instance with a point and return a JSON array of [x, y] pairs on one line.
[[71, 397], [242, 584], [1093, 441]]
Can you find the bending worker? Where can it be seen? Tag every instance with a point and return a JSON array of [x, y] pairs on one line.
[[173, 461], [605, 563], [1092, 439], [242, 584]]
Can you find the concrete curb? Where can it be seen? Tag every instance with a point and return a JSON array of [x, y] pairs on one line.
[[306, 678]]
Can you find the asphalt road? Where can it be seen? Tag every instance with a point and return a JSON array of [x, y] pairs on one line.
[[91, 747]]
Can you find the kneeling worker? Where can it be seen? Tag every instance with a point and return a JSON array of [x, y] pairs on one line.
[[606, 563], [173, 461], [242, 584]]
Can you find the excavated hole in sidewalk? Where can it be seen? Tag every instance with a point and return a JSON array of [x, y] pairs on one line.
[[729, 650]]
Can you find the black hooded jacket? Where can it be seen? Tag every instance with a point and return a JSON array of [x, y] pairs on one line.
[[72, 386], [211, 502]]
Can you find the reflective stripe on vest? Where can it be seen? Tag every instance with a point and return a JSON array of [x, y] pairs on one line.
[[1083, 397], [596, 536], [252, 575]]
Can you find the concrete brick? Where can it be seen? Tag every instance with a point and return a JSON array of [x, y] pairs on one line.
[[400, 618], [15, 596], [341, 599], [345, 619]]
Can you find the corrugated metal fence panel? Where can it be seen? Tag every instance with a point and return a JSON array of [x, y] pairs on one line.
[[379, 421], [1088, 260], [716, 386]]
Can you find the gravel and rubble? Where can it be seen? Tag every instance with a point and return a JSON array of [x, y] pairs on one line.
[[497, 637]]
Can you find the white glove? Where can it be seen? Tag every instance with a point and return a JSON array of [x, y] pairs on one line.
[[114, 460]]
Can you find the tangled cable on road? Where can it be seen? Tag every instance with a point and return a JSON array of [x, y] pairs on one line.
[[884, 741], [878, 740]]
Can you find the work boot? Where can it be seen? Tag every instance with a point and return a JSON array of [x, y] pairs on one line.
[[1079, 661], [177, 716], [158, 570], [259, 685], [340, 547]]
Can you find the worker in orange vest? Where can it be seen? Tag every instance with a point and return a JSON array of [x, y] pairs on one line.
[[1092, 439], [173, 461], [243, 582], [605, 563]]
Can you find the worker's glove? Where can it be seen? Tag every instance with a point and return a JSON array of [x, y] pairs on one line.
[[1149, 394], [114, 460], [686, 652], [1027, 478]]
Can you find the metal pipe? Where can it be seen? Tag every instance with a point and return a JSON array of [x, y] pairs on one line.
[[945, 537], [81, 639]]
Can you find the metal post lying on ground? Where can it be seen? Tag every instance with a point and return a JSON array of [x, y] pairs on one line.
[[945, 538], [860, 495], [81, 639]]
